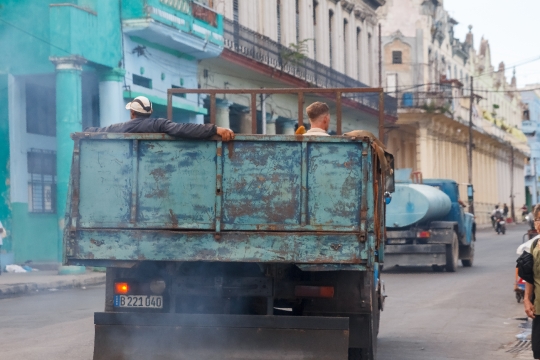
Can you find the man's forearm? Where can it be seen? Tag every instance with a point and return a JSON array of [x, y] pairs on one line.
[[529, 291]]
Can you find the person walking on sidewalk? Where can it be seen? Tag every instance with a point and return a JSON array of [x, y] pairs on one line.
[[532, 291]]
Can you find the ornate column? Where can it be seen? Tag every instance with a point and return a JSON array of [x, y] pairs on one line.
[[288, 127], [111, 99], [222, 113], [271, 124], [68, 120], [245, 122]]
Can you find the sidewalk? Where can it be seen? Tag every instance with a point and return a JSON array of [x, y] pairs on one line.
[[37, 281]]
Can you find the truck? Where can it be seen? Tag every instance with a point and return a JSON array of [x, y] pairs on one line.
[[264, 247], [427, 225]]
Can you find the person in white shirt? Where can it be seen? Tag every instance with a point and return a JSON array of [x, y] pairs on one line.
[[319, 118]]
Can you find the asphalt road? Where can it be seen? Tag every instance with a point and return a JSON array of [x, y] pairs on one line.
[[464, 315], [432, 316]]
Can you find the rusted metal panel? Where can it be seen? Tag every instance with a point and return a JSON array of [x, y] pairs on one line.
[[177, 184], [276, 247], [106, 172], [268, 176], [259, 198], [334, 189]]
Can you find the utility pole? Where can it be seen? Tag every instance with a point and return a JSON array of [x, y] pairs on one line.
[[512, 210], [380, 58], [470, 147]]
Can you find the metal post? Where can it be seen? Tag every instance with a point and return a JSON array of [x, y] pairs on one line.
[[380, 57], [381, 116], [470, 146], [338, 112], [300, 109], [212, 108], [253, 113], [169, 105], [263, 114]]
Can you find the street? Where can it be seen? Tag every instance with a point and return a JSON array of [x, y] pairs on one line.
[[463, 315]]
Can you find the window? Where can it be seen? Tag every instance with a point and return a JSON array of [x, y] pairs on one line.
[[330, 21], [235, 10], [40, 110], [278, 9], [345, 47], [142, 81], [397, 57], [179, 95], [41, 181], [358, 53]]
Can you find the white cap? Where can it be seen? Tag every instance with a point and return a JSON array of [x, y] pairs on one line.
[[140, 104]]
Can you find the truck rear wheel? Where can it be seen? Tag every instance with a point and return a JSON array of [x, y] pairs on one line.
[[452, 254], [468, 255]]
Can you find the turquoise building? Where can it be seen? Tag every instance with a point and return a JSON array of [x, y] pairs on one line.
[[74, 64]]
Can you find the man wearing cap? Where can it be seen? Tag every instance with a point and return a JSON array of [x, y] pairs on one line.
[[141, 122]]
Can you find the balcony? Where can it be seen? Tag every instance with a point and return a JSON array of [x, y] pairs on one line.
[[182, 25], [262, 49]]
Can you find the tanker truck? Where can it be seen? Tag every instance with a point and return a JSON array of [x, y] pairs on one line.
[[427, 226]]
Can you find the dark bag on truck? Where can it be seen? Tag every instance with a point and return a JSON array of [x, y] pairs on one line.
[[524, 264]]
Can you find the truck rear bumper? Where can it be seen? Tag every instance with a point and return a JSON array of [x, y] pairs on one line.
[[195, 336], [415, 255]]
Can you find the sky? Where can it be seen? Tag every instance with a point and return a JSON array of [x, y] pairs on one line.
[[512, 28]]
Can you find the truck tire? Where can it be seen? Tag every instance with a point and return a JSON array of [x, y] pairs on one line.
[[468, 255], [452, 254]]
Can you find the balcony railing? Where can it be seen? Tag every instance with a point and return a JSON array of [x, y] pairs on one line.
[[253, 45]]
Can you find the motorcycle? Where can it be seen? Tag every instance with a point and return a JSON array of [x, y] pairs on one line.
[[501, 226], [519, 289]]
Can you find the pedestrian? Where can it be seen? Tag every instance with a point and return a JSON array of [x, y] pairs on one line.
[[319, 118], [531, 300], [505, 211], [141, 122]]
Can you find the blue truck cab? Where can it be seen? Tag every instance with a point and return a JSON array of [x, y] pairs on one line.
[[428, 226]]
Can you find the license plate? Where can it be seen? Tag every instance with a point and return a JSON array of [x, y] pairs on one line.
[[138, 301], [397, 241]]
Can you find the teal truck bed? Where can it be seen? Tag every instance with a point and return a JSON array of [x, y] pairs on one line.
[[266, 244]]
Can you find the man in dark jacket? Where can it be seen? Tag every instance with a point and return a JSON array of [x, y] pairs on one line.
[[141, 122]]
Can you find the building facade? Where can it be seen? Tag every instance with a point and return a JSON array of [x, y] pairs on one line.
[[530, 95], [431, 73], [76, 64], [296, 43]]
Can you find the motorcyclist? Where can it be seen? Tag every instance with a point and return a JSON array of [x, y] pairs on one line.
[[496, 217]]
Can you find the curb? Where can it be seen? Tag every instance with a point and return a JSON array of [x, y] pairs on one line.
[[29, 288]]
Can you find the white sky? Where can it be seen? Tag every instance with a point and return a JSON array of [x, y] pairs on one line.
[[512, 28]]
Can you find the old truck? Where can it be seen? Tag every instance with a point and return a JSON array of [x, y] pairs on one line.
[[266, 247], [428, 226]]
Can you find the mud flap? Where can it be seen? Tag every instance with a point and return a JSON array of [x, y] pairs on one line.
[[147, 336]]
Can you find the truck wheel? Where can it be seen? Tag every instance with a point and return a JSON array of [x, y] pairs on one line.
[[468, 255], [355, 354], [452, 254]]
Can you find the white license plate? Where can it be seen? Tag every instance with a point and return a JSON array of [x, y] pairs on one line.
[[138, 301], [397, 241]]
